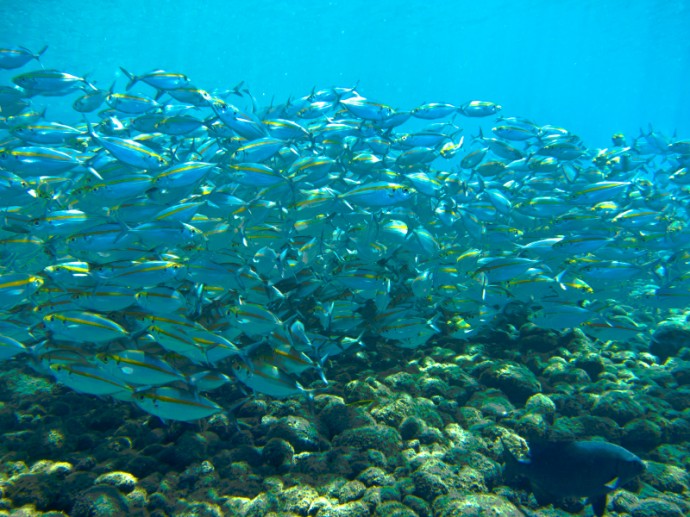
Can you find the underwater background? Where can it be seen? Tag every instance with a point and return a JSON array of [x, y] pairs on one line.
[[364, 385], [595, 68]]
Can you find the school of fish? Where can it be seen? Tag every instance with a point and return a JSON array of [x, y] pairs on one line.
[[173, 242]]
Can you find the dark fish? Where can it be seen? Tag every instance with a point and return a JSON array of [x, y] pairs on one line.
[[589, 469]]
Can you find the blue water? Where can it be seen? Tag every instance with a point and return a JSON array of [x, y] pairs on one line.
[[595, 67]]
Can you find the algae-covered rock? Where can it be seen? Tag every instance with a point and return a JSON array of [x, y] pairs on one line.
[[680, 370], [380, 437], [434, 478], [393, 412], [453, 374], [394, 509], [656, 508], [678, 430], [622, 501], [351, 509], [471, 480], [278, 453], [492, 403], [375, 476], [675, 454], [159, 502], [475, 505], [540, 403], [368, 389], [565, 428], [198, 476], [562, 372], [301, 433], [430, 386], [411, 427], [668, 339], [666, 478], [678, 398], [539, 339], [418, 505], [297, 499], [240, 480], [351, 491], [137, 498], [189, 448], [622, 406], [429, 484], [260, 506], [41, 490], [532, 426], [198, 509], [430, 435], [336, 417], [489, 469], [516, 381], [465, 439], [592, 363], [377, 495], [140, 465], [642, 433], [123, 481], [402, 382], [100, 501]]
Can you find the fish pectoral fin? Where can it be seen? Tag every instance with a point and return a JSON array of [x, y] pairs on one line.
[[613, 484], [598, 504]]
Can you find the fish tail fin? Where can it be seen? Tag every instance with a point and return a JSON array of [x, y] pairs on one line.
[[237, 90], [87, 87], [90, 130], [482, 184], [197, 294], [36, 348], [37, 55], [480, 136], [511, 469], [132, 78], [319, 368], [94, 173], [559, 278]]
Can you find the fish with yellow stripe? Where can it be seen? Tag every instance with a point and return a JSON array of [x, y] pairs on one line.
[[83, 327], [168, 403]]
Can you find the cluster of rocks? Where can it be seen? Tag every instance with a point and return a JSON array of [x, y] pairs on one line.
[[421, 437]]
